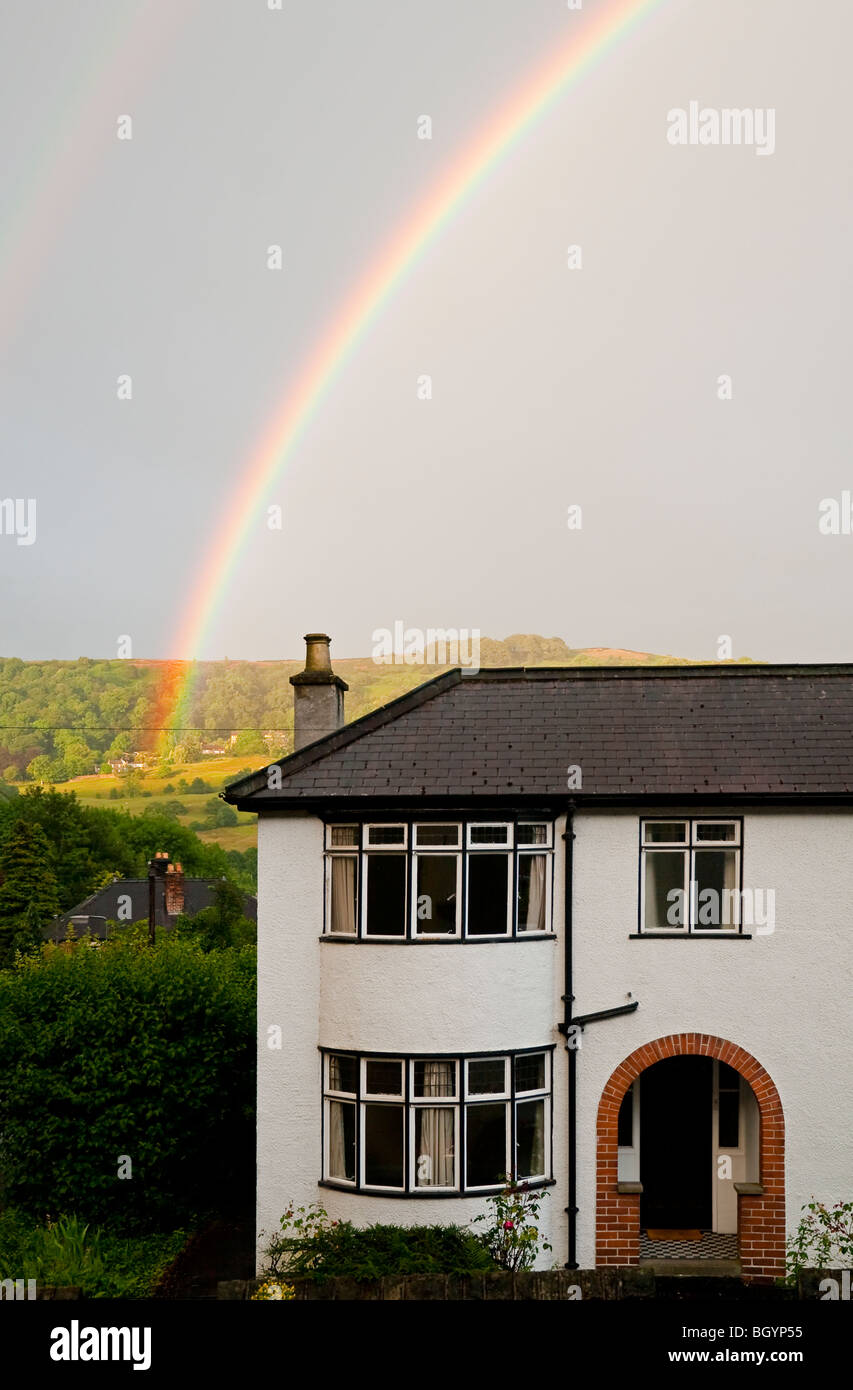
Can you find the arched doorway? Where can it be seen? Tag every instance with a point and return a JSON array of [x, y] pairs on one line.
[[760, 1206]]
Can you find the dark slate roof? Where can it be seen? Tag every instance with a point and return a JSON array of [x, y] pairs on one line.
[[103, 906], [710, 731]]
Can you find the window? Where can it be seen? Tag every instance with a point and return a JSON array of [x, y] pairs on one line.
[[439, 880], [449, 1124], [690, 876]]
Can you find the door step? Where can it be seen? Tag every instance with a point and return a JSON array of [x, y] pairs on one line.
[[713, 1269]]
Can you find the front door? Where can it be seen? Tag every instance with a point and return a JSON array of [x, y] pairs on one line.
[[675, 1152]]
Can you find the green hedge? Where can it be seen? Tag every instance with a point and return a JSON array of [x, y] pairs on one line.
[[120, 1050], [67, 1251], [372, 1252]]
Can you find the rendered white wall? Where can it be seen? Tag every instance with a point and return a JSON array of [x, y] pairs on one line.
[[783, 997]]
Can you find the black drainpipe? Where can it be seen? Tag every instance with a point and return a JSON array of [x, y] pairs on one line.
[[568, 1000]]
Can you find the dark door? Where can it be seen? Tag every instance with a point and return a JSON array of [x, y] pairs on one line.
[[675, 1143]]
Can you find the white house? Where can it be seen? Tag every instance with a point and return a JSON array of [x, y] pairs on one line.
[[591, 926]]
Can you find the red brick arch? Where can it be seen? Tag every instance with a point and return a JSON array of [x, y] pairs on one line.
[[761, 1216]]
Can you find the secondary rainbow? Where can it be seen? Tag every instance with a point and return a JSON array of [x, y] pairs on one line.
[[499, 135]]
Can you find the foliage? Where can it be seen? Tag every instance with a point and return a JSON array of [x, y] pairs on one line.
[[512, 1233], [68, 1251], [85, 844], [28, 895], [823, 1239], [312, 1246], [125, 1050], [222, 924]]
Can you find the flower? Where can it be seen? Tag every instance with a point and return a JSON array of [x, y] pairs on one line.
[[509, 1226]]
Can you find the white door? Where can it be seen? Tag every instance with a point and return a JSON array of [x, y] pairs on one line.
[[729, 1145]]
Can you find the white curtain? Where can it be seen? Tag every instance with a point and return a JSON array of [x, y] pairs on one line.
[[535, 916], [435, 1158], [337, 1142], [343, 894], [435, 1146]]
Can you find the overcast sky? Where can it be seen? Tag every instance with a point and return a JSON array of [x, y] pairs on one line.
[[596, 387]]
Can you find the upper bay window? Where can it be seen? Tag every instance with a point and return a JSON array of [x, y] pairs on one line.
[[690, 875], [439, 880]]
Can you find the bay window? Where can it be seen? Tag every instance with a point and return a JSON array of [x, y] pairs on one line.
[[436, 1124], [439, 880]]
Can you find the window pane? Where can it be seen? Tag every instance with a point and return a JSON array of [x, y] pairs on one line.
[[532, 835], [343, 835], [530, 1138], [383, 1145], [386, 895], [487, 894], [435, 1078], [486, 1162], [386, 835], [531, 892], [437, 834], [717, 831], [729, 1078], [717, 898], [487, 1077], [666, 832], [342, 1140], [489, 834], [729, 1119], [435, 892], [435, 1146], [343, 897], [664, 874], [530, 1072], [343, 1072], [384, 1079], [626, 1120]]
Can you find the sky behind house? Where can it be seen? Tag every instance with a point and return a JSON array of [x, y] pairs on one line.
[[597, 386]]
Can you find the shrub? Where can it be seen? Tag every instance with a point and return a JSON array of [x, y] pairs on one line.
[[130, 1051], [823, 1239], [312, 1246], [512, 1235], [68, 1251]]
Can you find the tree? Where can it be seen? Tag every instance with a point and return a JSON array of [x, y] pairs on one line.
[[28, 895], [223, 923]]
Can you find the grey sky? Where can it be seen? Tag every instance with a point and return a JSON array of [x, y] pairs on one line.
[[551, 387]]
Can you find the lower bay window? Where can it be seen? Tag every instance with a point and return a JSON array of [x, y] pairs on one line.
[[439, 880], [436, 1124]]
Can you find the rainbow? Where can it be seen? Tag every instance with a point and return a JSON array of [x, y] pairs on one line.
[[497, 138]]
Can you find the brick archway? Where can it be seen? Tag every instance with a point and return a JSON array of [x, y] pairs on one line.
[[761, 1214]]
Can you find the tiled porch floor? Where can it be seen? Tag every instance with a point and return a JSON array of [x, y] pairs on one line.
[[710, 1247]]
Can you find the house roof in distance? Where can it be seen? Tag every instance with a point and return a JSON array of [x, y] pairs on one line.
[[103, 906], [733, 731]]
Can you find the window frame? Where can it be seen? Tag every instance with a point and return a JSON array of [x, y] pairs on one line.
[[460, 1103], [463, 851], [688, 848]]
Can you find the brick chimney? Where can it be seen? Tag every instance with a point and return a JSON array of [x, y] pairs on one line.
[[174, 890], [318, 694]]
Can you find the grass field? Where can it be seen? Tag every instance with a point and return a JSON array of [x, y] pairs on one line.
[[215, 772]]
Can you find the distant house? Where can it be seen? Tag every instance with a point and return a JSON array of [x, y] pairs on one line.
[[126, 900]]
